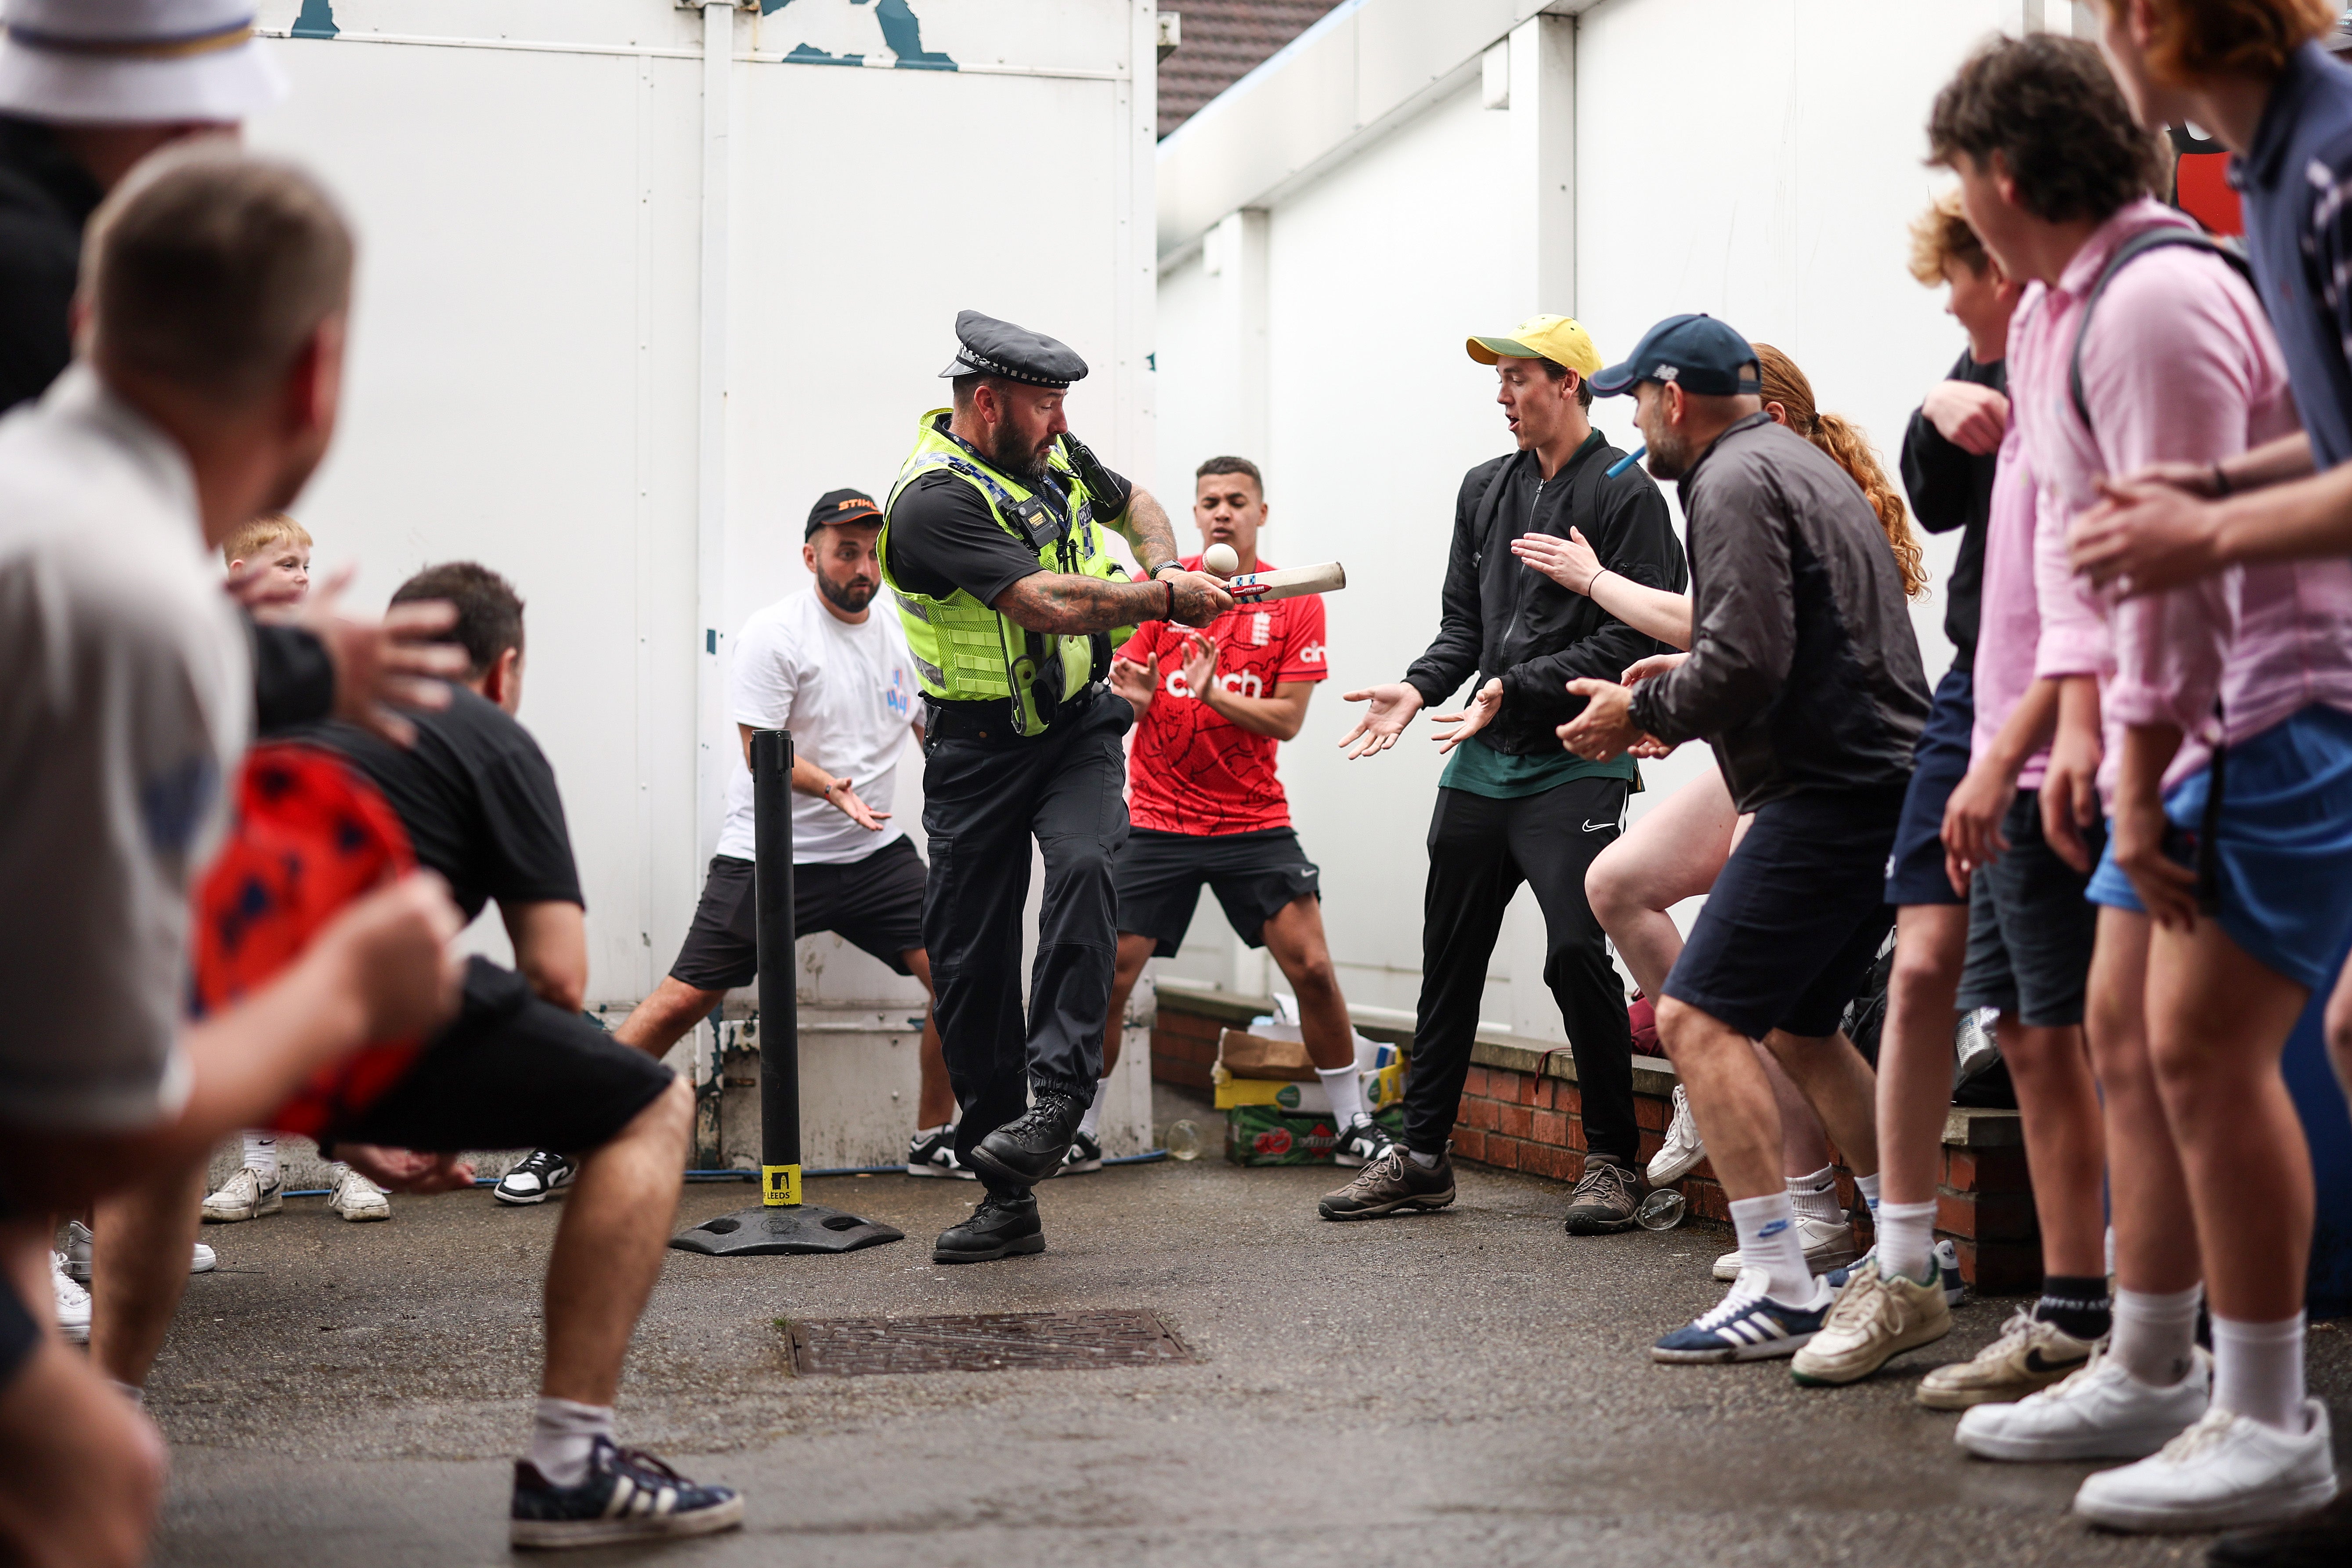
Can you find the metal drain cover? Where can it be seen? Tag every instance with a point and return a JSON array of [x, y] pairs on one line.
[[980, 1341]]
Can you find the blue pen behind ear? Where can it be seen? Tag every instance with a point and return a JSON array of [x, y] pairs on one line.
[[1627, 461]]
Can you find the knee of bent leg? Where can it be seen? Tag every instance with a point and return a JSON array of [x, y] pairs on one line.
[[1610, 884], [670, 1114]]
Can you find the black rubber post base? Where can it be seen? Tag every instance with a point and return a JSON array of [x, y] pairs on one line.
[[764, 1231]]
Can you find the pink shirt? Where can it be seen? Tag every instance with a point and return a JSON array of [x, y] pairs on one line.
[[2009, 633], [2180, 365]]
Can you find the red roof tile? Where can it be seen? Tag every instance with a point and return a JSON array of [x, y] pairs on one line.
[[1224, 40]]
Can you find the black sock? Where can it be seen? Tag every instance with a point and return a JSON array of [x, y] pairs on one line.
[[2075, 1304]]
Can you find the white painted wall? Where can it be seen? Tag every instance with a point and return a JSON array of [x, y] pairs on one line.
[[1756, 158]]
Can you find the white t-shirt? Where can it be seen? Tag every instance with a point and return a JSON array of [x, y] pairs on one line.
[[848, 696], [126, 703]]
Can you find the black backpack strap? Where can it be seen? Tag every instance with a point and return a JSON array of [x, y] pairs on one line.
[[2130, 250]]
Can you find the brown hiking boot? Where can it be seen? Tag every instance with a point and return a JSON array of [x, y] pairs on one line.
[[1394, 1181], [1605, 1199]]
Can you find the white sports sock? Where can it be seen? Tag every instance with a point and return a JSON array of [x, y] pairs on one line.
[[1868, 1187], [1815, 1196], [1907, 1240], [2155, 1334], [1093, 1117], [1426, 1161], [1347, 1092], [2258, 1370], [1767, 1227], [565, 1435], [261, 1156]]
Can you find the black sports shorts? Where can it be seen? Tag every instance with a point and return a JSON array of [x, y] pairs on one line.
[[874, 905], [1160, 875], [1797, 915], [512, 1072]]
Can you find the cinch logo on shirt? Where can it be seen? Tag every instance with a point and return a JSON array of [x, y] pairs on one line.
[[1311, 654], [1241, 683]]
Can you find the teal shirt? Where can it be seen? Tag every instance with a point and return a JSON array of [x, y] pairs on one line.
[[1479, 769]]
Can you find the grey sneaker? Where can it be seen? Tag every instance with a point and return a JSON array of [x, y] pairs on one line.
[[1394, 1181], [1606, 1198]]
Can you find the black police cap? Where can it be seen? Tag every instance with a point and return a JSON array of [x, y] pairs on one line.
[[990, 347]]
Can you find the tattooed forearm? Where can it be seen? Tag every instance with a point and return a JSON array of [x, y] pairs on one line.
[[1066, 602], [1147, 529]]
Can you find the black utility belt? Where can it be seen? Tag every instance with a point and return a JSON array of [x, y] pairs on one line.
[[991, 719]]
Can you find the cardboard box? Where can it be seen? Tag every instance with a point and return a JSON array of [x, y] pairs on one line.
[[1245, 1054], [1266, 1135], [1381, 1090]]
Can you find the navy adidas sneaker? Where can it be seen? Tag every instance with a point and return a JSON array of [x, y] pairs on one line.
[[1748, 1325], [1947, 1270], [627, 1495]]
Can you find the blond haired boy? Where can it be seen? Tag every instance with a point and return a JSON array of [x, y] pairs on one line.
[[278, 549]]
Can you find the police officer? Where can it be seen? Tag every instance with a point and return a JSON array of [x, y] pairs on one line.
[[993, 548]]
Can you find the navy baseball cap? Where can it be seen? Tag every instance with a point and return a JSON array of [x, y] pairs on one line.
[[1699, 354]]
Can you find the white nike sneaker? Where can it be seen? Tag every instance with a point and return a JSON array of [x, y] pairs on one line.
[[245, 1195], [1828, 1243], [1681, 1152], [2101, 1412], [2225, 1470], [73, 1303], [203, 1260], [355, 1197]]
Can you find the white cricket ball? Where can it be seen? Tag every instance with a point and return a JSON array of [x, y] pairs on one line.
[[1220, 559]]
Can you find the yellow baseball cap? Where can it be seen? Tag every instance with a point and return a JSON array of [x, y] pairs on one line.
[[1555, 338]]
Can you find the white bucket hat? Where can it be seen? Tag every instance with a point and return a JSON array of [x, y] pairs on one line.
[[134, 61]]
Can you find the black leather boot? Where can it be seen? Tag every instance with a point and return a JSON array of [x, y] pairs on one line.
[[999, 1228], [1027, 1151]]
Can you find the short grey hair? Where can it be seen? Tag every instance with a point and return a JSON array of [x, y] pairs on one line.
[[209, 269]]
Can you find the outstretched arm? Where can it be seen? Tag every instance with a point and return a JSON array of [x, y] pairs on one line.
[[1072, 604]]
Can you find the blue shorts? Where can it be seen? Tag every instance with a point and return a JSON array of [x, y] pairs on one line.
[[2285, 844], [1915, 871]]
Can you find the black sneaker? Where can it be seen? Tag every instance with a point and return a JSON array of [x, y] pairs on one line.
[[1360, 1143], [628, 1495], [1031, 1148], [933, 1154], [1605, 1199], [537, 1178], [999, 1228], [1394, 1181], [1086, 1154]]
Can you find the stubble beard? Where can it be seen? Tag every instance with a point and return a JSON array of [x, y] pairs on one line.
[[850, 598]]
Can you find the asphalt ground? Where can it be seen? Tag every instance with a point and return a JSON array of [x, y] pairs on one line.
[[1471, 1386]]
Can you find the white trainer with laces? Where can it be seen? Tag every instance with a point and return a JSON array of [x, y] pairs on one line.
[[2225, 1470], [355, 1197], [1828, 1243], [1877, 1318], [73, 1303], [1681, 1152], [202, 1261], [245, 1195], [2101, 1412], [2028, 1357]]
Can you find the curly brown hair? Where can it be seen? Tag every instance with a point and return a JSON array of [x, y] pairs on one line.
[[2229, 38], [1842, 438], [2047, 108], [1942, 235]]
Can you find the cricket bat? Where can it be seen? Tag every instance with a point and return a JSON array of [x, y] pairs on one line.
[[1257, 587]]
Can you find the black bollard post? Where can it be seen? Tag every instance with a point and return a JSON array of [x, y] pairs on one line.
[[782, 1222]]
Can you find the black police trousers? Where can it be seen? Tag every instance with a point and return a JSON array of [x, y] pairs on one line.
[[984, 799], [1480, 850]]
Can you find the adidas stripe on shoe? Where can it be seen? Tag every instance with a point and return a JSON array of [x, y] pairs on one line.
[[1748, 1325]]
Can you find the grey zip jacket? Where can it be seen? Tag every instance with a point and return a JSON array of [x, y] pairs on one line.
[[1804, 672]]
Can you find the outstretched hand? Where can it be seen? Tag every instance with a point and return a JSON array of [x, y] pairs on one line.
[[1392, 709], [400, 661], [1606, 728], [405, 1169], [1469, 720], [1570, 562]]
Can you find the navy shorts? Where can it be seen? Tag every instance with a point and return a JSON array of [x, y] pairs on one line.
[[1160, 876], [874, 905], [1915, 870], [2029, 927], [1795, 919]]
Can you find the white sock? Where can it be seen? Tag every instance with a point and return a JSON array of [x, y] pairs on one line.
[[563, 1435], [1815, 1196], [1868, 1187], [1907, 1240], [261, 1156], [2258, 1370], [2155, 1334], [1767, 1227], [1426, 1161], [136, 1396], [1347, 1092], [1093, 1117]]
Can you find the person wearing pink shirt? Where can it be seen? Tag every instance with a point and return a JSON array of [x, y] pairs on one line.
[[2214, 924]]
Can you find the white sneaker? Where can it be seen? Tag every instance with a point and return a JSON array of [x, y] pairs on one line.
[[1681, 1152], [73, 1303], [2101, 1412], [355, 1197], [2225, 1470], [203, 1260], [245, 1195], [1828, 1243]]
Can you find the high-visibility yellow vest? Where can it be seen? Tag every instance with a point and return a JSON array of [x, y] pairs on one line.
[[964, 651]]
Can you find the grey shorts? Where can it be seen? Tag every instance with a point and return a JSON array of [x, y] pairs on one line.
[[2029, 927]]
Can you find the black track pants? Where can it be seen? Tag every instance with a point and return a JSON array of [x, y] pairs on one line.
[[983, 802], [1480, 850]]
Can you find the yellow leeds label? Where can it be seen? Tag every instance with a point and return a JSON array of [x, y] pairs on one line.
[[780, 1187]]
